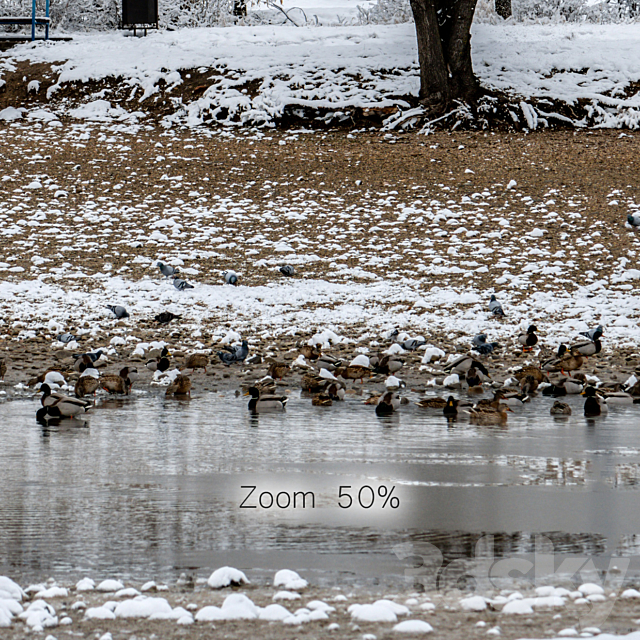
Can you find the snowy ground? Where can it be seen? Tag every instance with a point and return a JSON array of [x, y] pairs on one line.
[[252, 74]]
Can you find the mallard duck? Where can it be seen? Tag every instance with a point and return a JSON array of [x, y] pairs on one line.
[[550, 364], [462, 364], [321, 400], [529, 339], [86, 385], [310, 352], [313, 383], [161, 362], [498, 395], [373, 399], [266, 386], [594, 405], [335, 391], [113, 383], [262, 402], [528, 384], [616, 397], [325, 361], [278, 369], [66, 405], [560, 409], [535, 372], [568, 361], [46, 414], [86, 360], [196, 361], [386, 364], [433, 403], [181, 386], [587, 348], [131, 373], [473, 381], [3, 369], [387, 404], [515, 399], [354, 372], [489, 414]]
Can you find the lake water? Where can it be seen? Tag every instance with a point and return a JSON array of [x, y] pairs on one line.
[[151, 487]]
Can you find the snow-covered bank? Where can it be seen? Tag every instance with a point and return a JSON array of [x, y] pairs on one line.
[[253, 74]]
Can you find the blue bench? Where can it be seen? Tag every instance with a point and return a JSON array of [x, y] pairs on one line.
[[33, 20]]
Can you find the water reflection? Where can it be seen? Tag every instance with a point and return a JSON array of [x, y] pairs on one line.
[[152, 485]]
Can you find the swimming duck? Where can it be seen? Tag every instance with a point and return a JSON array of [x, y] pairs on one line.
[[119, 383], [594, 405], [354, 372], [66, 405], [196, 361], [462, 364], [616, 397], [262, 402], [587, 348], [515, 399], [160, 363], [278, 369], [434, 403], [86, 385], [496, 308], [388, 403], [529, 339], [181, 386], [321, 400], [560, 409], [451, 407], [494, 413]]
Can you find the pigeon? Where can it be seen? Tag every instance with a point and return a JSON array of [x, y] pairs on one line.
[[118, 311], [65, 337], [483, 347], [634, 221], [166, 317], [167, 270], [234, 354], [411, 344], [230, 277], [593, 334], [496, 308], [287, 270], [180, 284]]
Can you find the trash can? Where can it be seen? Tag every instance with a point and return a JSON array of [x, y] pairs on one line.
[[139, 13]]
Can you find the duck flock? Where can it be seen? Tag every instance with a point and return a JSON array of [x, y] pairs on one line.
[[326, 377]]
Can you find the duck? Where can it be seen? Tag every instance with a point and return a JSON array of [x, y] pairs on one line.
[[86, 360], [335, 391], [266, 386], [515, 399], [568, 361], [560, 409], [433, 403], [181, 386], [388, 403], [45, 414], [66, 405], [86, 385], [196, 361], [42, 377], [354, 372], [529, 339], [328, 362], [587, 348], [450, 407], [310, 352], [473, 381], [535, 372], [372, 399], [386, 365], [230, 277], [550, 363], [278, 369], [160, 363], [3, 369], [528, 384], [462, 364], [262, 402], [119, 383], [489, 414], [616, 397], [321, 400], [594, 405], [313, 383]]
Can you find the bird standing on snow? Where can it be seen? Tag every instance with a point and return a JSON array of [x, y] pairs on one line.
[[167, 270], [528, 339], [230, 277], [496, 308], [118, 311], [180, 284], [234, 354], [634, 221], [287, 270]]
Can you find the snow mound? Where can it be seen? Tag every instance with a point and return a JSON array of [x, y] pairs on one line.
[[9, 590], [274, 613], [413, 626], [110, 585], [289, 580], [86, 584], [225, 577], [235, 607], [372, 613], [473, 603]]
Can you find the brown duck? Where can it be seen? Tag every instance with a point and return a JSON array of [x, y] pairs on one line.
[[353, 372], [181, 386], [86, 385], [196, 361], [278, 370]]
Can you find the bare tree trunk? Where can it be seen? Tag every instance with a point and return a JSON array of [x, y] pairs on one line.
[[444, 52]]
